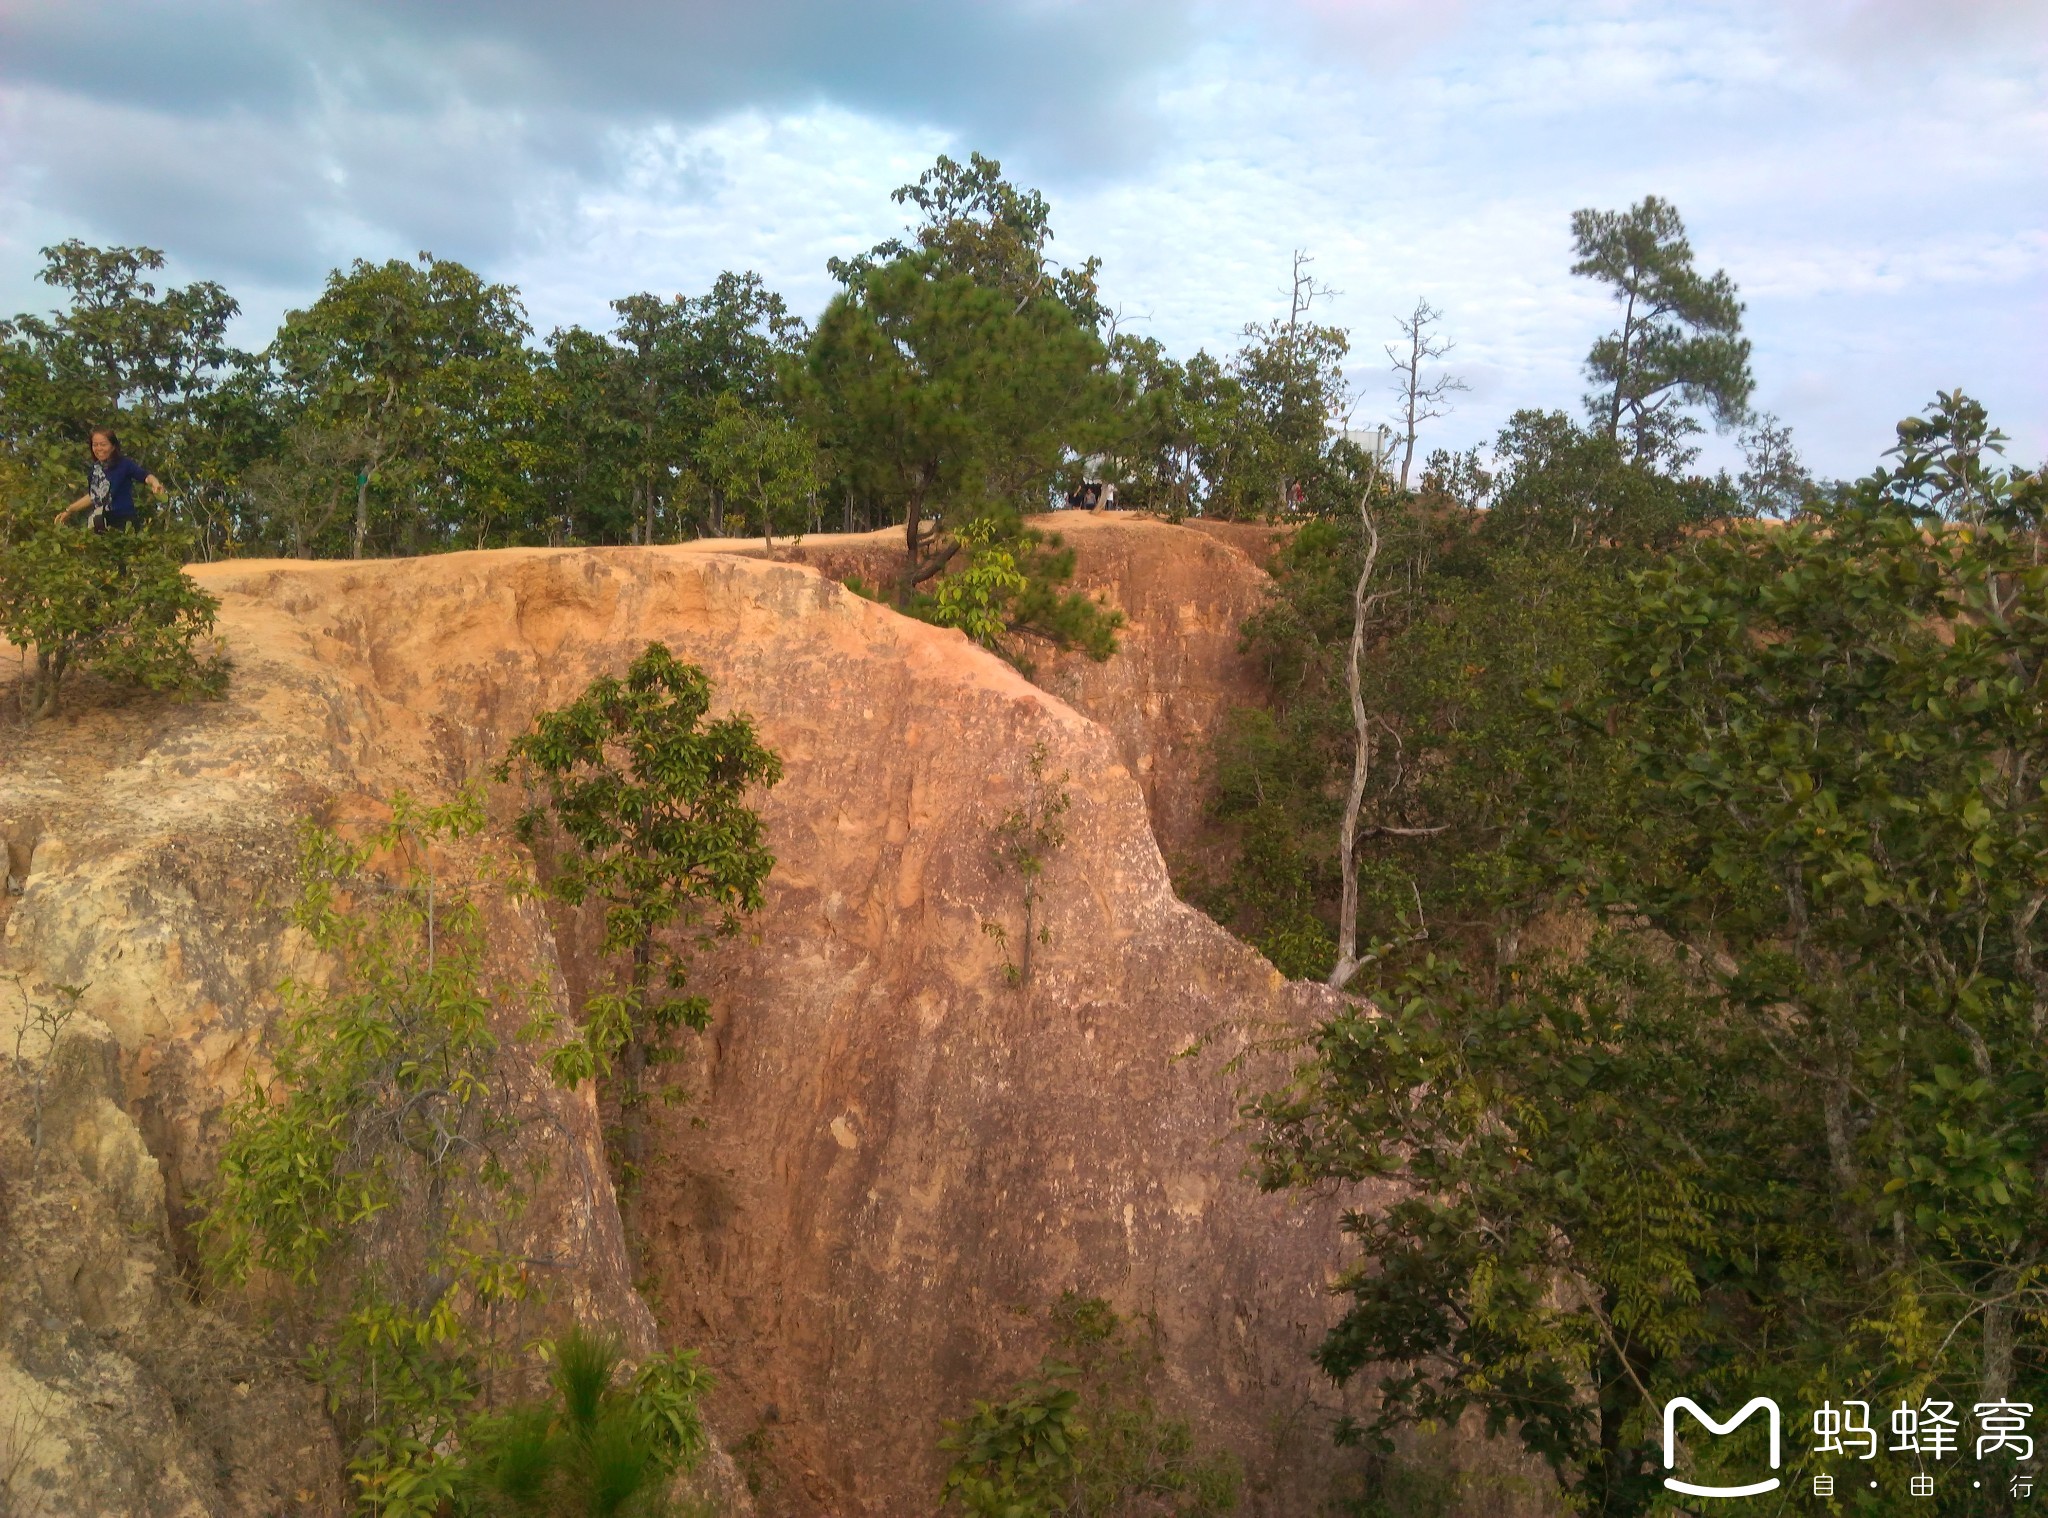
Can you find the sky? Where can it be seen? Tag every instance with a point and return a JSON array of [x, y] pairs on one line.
[[1873, 174]]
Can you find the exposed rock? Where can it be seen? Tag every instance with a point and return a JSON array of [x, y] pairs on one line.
[[117, 1396], [163, 849], [892, 1151], [1184, 590]]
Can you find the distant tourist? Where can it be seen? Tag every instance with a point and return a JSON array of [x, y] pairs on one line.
[[110, 486]]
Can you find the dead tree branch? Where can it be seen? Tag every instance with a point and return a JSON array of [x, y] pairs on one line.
[[1348, 962], [1420, 402]]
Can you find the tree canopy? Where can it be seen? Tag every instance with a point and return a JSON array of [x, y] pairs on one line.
[[1679, 343]]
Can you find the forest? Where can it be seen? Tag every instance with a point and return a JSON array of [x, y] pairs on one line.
[[1678, 840]]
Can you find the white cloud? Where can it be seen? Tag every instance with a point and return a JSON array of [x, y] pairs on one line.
[[1873, 173]]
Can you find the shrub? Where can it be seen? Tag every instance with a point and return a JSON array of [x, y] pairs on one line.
[[118, 603], [1081, 1437], [596, 1447]]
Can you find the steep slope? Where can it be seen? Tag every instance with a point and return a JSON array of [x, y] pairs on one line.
[[891, 1149], [1184, 591]]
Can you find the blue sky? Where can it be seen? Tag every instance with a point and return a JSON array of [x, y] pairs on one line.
[[1872, 173]]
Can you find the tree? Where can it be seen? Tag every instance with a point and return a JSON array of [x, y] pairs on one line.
[[1363, 743], [1764, 1118], [763, 464], [1773, 482], [1421, 400], [117, 603], [382, 1168], [424, 366], [1159, 431], [957, 375], [1680, 341], [1275, 426], [653, 801], [677, 360]]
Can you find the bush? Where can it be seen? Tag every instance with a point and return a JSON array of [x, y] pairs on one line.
[[1081, 1438], [384, 1168], [596, 1447], [1009, 583], [118, 603]]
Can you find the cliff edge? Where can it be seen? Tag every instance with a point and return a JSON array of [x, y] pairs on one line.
[[892, 1152]]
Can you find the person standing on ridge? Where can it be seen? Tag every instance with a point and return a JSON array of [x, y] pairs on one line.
[[110, 486]]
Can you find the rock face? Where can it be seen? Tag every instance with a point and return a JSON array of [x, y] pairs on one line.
[[152, 850], [1184, 592], [116, 1394], [892, 1148]]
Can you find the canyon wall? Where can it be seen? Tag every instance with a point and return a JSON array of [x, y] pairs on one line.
[[894, 1151]]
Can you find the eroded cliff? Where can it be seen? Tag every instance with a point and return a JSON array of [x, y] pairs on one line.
[[891, 1149]]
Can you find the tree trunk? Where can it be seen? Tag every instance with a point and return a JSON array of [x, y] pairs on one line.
[[913, 541], [39, 693], [633, 1070], [1995, 1370], [362, 513], [1414, 380], [1348, 962], [1628, 321]]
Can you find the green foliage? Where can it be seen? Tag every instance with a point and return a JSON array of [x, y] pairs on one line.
[[1274, 424], [762, 464], [117, 603], [1004, 590], [1743, 1093], [653, 393], [1476, 607], [1016, 1458], [596, 1448], [1082, 1437], [939, 393], [379, 1172], [961, 373], [424, 367], [652, 799], [1680, 341], [977, 596], [976, 223], [1025, 841]]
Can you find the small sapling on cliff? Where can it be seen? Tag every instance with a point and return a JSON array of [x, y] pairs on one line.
[[653, 800], [1082, 1437], [381, 1171], [1025, 840]]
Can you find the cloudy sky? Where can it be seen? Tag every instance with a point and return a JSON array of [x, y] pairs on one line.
[[1872, 173]]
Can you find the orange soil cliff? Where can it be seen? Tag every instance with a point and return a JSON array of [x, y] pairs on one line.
[[891, 1153]]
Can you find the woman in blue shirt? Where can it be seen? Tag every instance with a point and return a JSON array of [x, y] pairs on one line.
[[110, 486]]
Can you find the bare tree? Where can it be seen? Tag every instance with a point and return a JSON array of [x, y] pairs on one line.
[[1304, 291], [1420, 401], [1363, 600], [1362, 604]]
